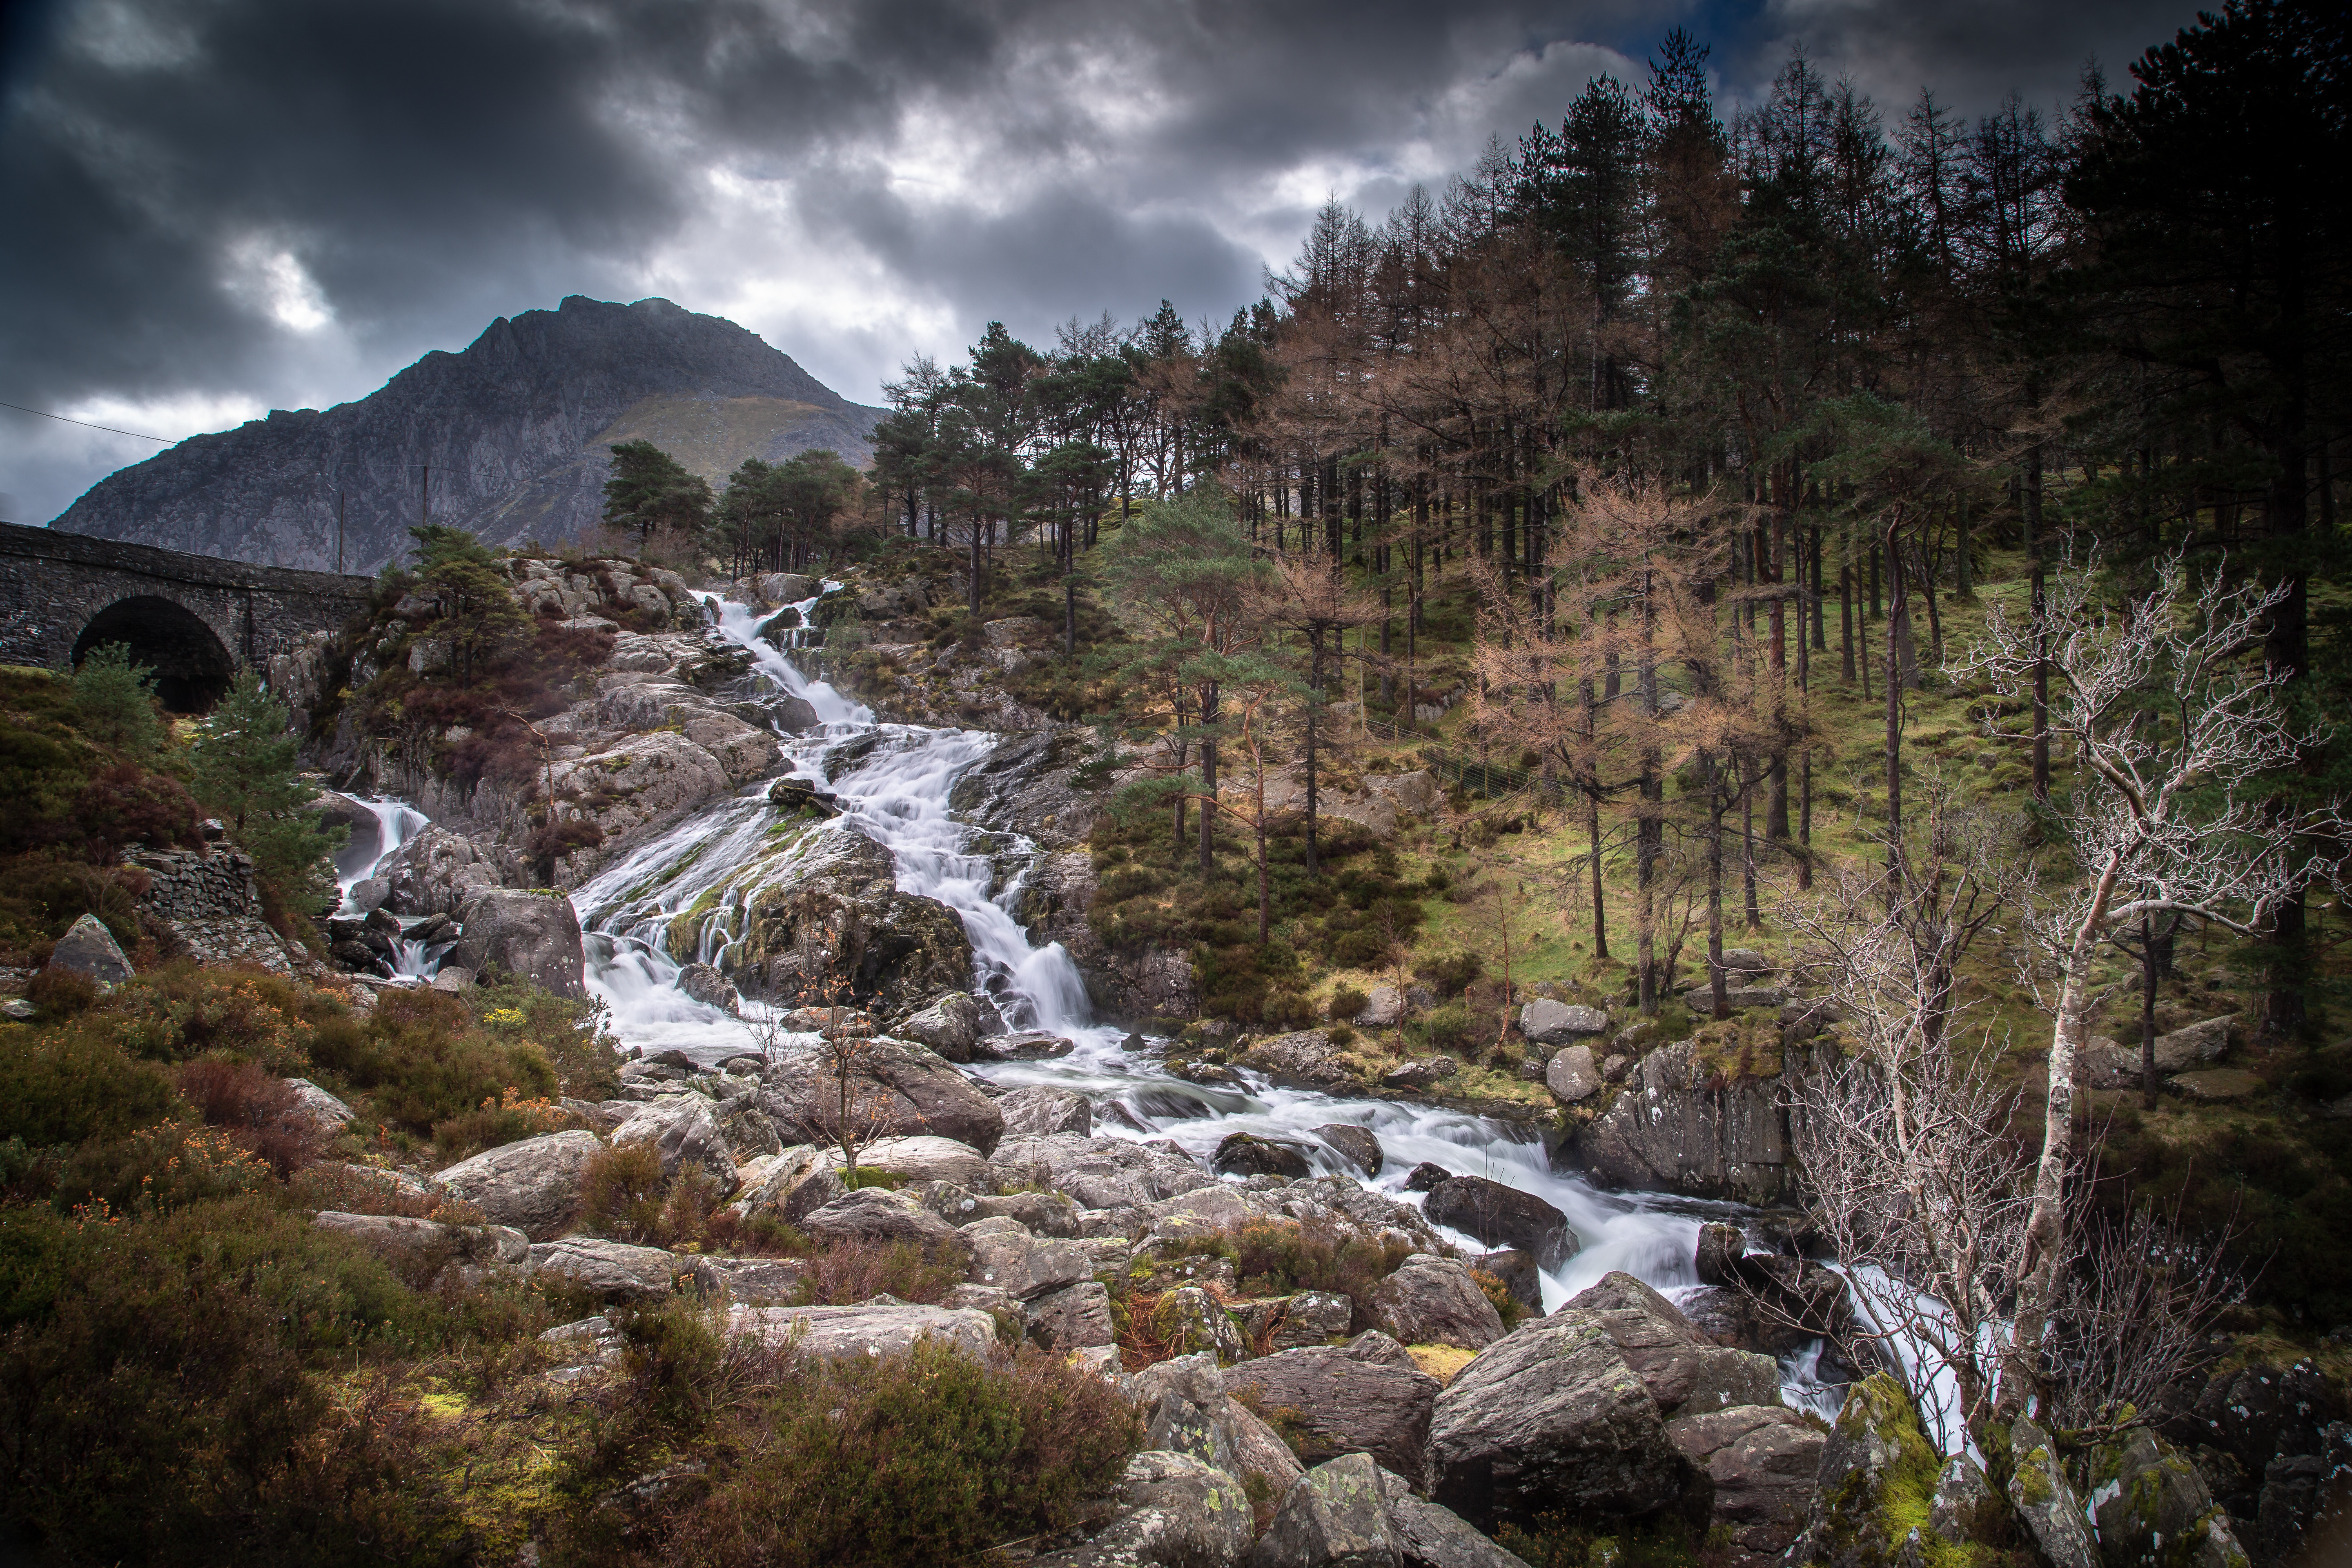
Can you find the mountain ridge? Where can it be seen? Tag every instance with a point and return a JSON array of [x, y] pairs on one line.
[[509, 434]]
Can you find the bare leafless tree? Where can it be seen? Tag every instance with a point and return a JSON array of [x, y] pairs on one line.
[[2165, 818]]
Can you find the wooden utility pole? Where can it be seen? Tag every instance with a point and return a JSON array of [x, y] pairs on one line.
[[338, 534]]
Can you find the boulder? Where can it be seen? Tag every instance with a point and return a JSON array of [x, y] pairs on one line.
[[1761, 1460], [870, 1329], [1571, 1075], [1433, 1301], [1183, 1402], [708, 987], [1551, 1023], [1700, 999], [1425, 1177], [2305, 1508], [1503, 1216], [1246, 1154], [1337, 1516], [2257, 1413], [951, 1025], [1075, 1317], [1043, 1108], [921, 1158], [435, 871], [1382, 1007], [533, 935], [1678, 1128], [1290, 1322], [2044, 1499], [2193, 1047], [1517, 1271], [2217, 1085], [325, 1114], [612, 1269], [1306, 1059], [2148, 1499], [1004, 1254], [1687, 1373], [1191, 1321], [1096, 1173], [750, 1134], [1428, 1536], [89, 948], [1720, 1248], [413, 1241], [911, 1090], [1551, 1420], [1023, 1045], [1347, 1401], [1357, 1145], [1259, 1451], [878, 1214], [1419, 1073], [532, 1185], [1170, 1511], [684, 1133], [837, 922], [1875, 1469]]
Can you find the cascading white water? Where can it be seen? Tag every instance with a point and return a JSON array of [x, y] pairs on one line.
[[397, 821]]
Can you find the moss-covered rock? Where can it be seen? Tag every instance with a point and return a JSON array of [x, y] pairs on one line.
[[1877, 1486], [2153, 1507], [2045, 1499]]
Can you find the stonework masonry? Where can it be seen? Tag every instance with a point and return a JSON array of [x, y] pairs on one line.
[[54, 585]]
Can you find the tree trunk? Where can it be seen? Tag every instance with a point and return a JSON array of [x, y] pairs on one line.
[[2149, 967], [1715, 804], [1314, 717], [1895, 714], [2030, 499]]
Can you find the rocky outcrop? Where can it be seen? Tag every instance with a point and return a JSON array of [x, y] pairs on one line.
[[1029, 786], [1043, 1109], [866, 1331], [839, 923], [1551, 1420], [1145, 980], [1098, 1173], [684, 1133], [879, 1214], [1246, 1154], [953, 1025], [1877, 1477], [2044, 1499], [615, 1270], [2146, 1498], [1304, 1059], [1551, 1023], [425, 1241], [88, 949], [534, 936], [1687, 1373], [1170, 1511], [435, 871], [532, 1185], [1677, 1128]]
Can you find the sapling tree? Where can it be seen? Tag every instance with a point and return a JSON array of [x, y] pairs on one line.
[[2166, 817]]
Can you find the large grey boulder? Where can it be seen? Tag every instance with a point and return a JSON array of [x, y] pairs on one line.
[[2194, 1045], [1172, 1511], [951, 1025], [1571, 1075], [1428, 1536], [708, 987], [1308, 1318], [869, 1330], [1096, 1173], [1359, 1145], [1004, 1254], [532, 1184], [89, 948], [1503, 1216], [1678, 1128], [613, 1269], [684, 1133], [1076, 1317], [1433, 1301], [436, 872], [533, 935], [325, 1114], [1761, 1461], [1549, 1420], [1306, 1059], [1041, 1108], [1687, 1373], [1874, 1450], [879, 1214], [921, 1158], [1337, 1516], [1348, 1400], [1246, 1154], [911, 1090], [1551, 1023], [835, 922]]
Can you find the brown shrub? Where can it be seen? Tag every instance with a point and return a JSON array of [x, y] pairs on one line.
[[855, 1271], [259, 1109], [61, 992]]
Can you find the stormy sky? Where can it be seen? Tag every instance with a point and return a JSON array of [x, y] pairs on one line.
[[209, 208]]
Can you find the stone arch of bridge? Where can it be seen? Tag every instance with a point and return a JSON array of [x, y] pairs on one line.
[[194, 668]]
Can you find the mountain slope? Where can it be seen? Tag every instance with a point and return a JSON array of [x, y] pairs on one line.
[[510, 437]]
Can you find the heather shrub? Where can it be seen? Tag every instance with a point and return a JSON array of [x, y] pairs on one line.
[[420, 1061], [257, 1107], [1346, 1002], [157, 1404], [62, 993], [63, 1086], [855, 1271], [1450, 974], [184, 1010], [158, 1169]]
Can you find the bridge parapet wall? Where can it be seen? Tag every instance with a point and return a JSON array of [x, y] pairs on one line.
[[52, 584]]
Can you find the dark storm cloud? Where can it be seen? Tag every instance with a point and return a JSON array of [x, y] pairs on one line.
[[214, 207]]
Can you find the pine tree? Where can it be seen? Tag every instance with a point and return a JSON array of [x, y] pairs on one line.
[[243, 767], [115, 701]]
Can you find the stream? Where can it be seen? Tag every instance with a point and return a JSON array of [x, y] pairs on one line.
[[892, 782]]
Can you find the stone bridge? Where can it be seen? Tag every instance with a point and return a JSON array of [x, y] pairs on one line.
[[195, 618]]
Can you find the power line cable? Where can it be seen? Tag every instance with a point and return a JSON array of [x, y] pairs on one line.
[[160, 440]]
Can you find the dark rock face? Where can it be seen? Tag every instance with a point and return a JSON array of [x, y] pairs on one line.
[[2147, 1497], [1028, 785], [536, 935], [1517, 1272], [1503, 1216], [1687, 1373], [535, 403], [1761, 1460], [1676, 1130], [1243, 1154], [1359, 1146], [1433, 1301], [844, 924], [1550, 1419]]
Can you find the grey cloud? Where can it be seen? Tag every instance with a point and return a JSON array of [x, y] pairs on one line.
[[432, 164]]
